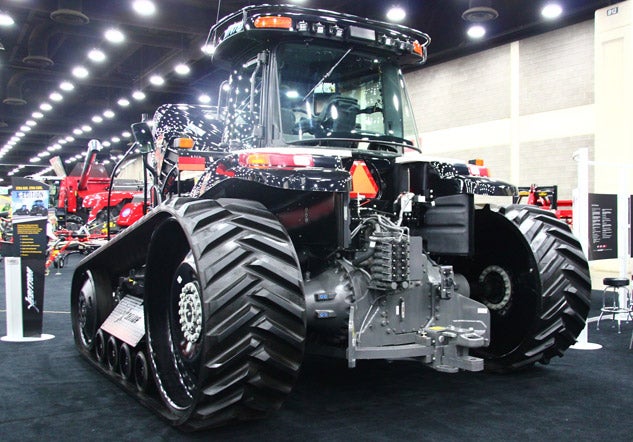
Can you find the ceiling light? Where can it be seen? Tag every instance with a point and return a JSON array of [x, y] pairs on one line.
[[62, 141], [45, 107], [156, 80], [108, 113], [77, 131], [70, 139], [19, 134], [66, 86], [476, 31], [138, 95], [86, 128], [123, 102], [115, 139], [96, 55], [6, 19], [35, 160], [144, 7], [56, 96], [182, 69], [80, 72], [25, 128], [396, 13], [126, 134], [208, 48], [44, 154], [97, 119], [204, 98], [31, 123], [551, 11], [113, 35], [37, 115], [106, 143]]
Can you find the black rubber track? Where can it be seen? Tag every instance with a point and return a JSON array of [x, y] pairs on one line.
[[254, 325], [551, 285]]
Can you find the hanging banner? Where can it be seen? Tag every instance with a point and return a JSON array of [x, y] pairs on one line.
[[29, 202], [603, 228]]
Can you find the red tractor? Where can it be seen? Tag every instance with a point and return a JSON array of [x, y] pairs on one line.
[[83, 194]]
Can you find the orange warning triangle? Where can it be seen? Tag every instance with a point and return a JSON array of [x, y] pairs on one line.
[[363, 182]]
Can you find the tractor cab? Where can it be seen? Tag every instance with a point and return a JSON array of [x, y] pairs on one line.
[[308, 80]]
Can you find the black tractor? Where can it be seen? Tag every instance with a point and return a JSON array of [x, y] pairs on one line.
[[299, 215]]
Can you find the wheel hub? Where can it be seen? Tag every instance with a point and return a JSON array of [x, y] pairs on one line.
[[497, 287], [190, 312]]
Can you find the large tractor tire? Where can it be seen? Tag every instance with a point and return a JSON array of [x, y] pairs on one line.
[[224, 312], [531, 273]]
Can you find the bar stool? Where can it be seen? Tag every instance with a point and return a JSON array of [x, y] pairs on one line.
[[611, 299]]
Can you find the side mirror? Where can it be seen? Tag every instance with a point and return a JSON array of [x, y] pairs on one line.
[[143, 137]]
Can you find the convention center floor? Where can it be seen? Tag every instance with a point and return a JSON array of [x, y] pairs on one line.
[[49, 393]]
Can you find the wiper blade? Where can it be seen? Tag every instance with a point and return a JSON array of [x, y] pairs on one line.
[[327, 74]]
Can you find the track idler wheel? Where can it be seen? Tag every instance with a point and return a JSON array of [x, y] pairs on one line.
[[90, 304], [226, 316]]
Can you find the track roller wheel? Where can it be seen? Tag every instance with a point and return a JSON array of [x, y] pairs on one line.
[[530, 271], [141, 373], [125, 361], [112, 354], [100, 346], [226, 315]]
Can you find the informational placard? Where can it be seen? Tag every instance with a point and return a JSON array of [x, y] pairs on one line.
[[29, 202], [603, 231], [126, 321]]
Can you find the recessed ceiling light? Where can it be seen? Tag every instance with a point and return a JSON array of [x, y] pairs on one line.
[[80, 72], [70, 139], [396, 13], [77, 131], [35, 160], [62, 141], [19, 134], [204, 98], [45, 107], [97, 119], [6, 19], [37, 115], [44, 154], [476, 31], [208, 49], [115, 139], [182, 69], [86, 128], [31, 123], [96, 55], [126, 134], [551, 10], [66, 86], [113, 35], [157, 80], [106, 143], [25, 128], [56, 96], [144, 7], [123, 102], [108, 113], [138, 95]]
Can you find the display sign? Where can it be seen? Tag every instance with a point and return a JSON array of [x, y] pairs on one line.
[[603, 236], [29, 202], [126, 321]]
